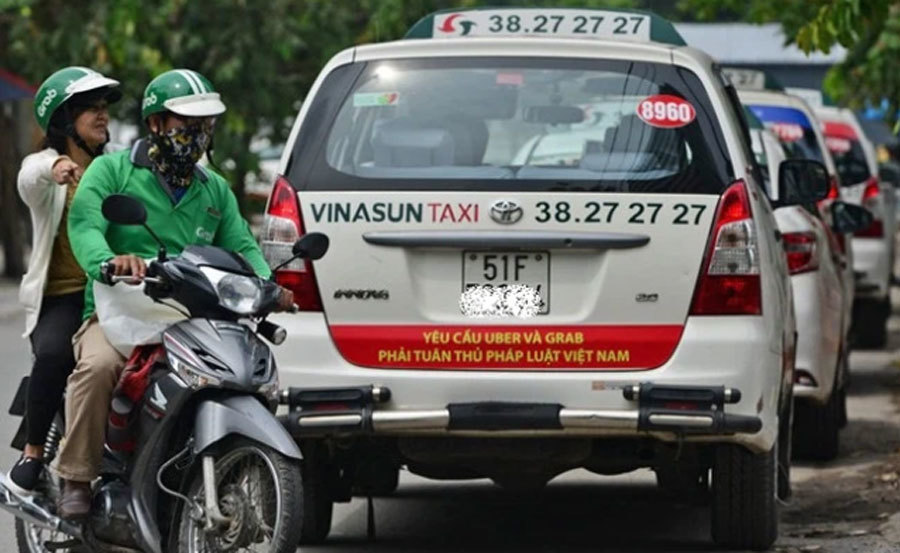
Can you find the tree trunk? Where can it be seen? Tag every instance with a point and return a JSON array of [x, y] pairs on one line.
[[12, 232]]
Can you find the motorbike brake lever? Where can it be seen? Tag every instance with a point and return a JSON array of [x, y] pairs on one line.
[[107, 273]]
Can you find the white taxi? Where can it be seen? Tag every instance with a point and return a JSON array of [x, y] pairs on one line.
[[823, 294], [793, 121], [484, 315], [857, 165]]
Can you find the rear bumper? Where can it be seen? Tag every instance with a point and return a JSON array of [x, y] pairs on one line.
[[742, 353], [664, 409]]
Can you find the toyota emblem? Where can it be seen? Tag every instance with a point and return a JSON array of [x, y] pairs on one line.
[[506, 212]]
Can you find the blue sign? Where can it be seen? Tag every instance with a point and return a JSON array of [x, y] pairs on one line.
[[778, 114]]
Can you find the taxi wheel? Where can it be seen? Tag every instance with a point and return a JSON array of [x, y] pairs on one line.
[[817, 429], [744, 509], [317, 502], [842, 402], [870, 318]]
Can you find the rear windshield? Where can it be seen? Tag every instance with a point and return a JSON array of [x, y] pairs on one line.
[[793, 128], [849, 159], [511, 124]]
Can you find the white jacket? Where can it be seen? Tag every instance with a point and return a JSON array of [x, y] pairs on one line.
[[46, 199]]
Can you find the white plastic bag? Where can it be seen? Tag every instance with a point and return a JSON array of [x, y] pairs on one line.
[[129, 318]]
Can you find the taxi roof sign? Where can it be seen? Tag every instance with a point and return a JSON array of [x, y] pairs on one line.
[[752, 79], [609, 24], [814, 97]]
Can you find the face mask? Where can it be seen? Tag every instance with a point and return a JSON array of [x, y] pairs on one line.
[[176, 151]]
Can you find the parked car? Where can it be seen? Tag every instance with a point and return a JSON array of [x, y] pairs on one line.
[[874, 247], [481, 315], [823, 294]]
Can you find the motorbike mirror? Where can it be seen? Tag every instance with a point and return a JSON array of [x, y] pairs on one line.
[[312, 246], [124, 210], [127, 210]]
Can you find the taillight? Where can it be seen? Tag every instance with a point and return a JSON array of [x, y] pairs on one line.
[[282, 226], [870, 202], [729, 279], [800, 248], [833, 192]]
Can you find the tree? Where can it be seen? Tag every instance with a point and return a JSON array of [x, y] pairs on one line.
[[255, 53], [12, 231], [869, 29], [261, 56]]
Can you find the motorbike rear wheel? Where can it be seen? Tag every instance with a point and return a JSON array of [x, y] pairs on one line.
[[259, 490]]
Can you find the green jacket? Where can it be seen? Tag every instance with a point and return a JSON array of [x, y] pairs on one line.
[[207, 214]]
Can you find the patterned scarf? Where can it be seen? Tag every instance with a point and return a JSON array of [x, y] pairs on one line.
[[175, 152]]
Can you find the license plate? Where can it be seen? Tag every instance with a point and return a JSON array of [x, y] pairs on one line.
[[499, 269]]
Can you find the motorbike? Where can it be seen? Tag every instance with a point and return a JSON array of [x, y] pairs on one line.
[[195, 459]]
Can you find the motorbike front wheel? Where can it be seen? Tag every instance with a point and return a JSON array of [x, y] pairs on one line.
[[260, 493]]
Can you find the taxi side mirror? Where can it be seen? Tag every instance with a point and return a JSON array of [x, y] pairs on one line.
[[889, 172], [802, 181], [848, 218]]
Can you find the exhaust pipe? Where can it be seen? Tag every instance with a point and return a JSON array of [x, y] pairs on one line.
[[29, 511]]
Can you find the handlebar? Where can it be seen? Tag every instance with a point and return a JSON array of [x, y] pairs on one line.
[[135, 280], [107, 272]]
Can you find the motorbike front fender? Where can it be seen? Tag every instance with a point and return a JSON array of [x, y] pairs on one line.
[[243, 416]]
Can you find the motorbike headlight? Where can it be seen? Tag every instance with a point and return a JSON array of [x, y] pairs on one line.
[[239, 293], [187, 366], [192, 376]]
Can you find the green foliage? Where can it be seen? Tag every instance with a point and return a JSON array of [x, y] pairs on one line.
[[261, 56], [869, 29]]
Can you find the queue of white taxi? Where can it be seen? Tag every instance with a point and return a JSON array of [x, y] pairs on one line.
[[558, 242]]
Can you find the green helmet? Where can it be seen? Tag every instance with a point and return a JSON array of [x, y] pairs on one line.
[[66, 83], [184, 92]]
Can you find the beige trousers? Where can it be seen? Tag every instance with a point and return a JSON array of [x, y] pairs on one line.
[[88, 394]]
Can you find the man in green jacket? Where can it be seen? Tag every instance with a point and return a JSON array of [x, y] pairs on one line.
[[186, 205]]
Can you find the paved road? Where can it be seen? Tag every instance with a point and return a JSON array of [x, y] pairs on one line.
[[846, 506]]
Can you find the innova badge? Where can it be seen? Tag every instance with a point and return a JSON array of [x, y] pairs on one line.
[[506, 212]]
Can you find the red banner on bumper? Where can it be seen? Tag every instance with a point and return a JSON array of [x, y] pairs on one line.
[[508, 348]]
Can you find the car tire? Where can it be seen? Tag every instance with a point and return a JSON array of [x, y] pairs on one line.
[[817, 429], [744, 509], [785, 448], [318, 506], [842, 408], [870, 319]]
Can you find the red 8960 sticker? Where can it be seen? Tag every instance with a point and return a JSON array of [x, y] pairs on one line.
[[666, 111]]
